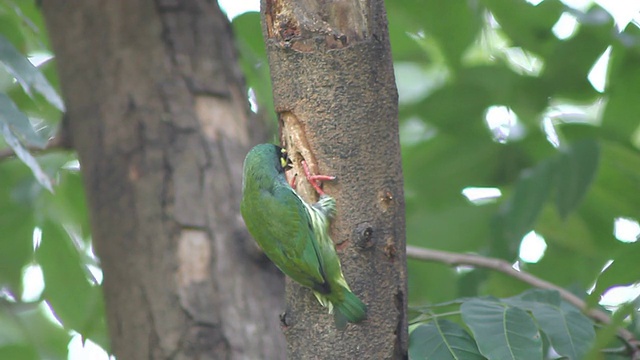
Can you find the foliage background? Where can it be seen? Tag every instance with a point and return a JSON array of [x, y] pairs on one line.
[[494, 94]]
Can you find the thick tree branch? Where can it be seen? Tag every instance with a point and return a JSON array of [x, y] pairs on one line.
[[455, 259], [161, 143], [335, 96]]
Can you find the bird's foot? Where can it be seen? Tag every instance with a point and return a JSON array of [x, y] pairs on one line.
[[313, 179]]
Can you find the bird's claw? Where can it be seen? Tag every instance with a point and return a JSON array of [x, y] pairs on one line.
[[292, 181], [313, 179]]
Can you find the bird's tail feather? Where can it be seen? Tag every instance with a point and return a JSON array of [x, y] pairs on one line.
[[350, 309]]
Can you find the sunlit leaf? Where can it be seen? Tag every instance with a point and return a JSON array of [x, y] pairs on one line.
[[566, 74], [68, 204], [458, 108], [29, 77], [74, 299], [623, 270], [23, 25], [26, 157], [48, 338], [459, 164], [19, 123], [37, 107], [527, 25]]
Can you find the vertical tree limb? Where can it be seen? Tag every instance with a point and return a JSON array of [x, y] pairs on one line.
[[335, 94]]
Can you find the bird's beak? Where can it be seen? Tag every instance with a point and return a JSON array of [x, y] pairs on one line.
[[285, 161]]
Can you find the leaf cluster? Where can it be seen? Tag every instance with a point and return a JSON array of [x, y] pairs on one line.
[[44, 227], [532, 325]]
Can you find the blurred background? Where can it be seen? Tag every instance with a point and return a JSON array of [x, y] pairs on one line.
[[520, 136]]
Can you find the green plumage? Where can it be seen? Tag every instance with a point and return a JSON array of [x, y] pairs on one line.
[[294, 234]]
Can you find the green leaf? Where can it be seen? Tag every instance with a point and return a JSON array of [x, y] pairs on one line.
[[532, 297], [76, 302], [25, 156], [459, 164], [623, 84], [16, 225], [502, 285], [567, 267], [253, 59], [572, 233], [442, 340], [37, 107], [428, 276], [19, 123], [440, 229], [529, 26], [619, 179], [18, 352], [29, 77], [568, 66], [454, 23], [458, 108], [608, 332], [68, 204], [48, 338], [21, 22], [502, 332], [9, 23], [10, 331], [521, 210], [576, 170], [614, 193], [402, 27], [16, 247], [247, 28], [623, 270], [570, 332]]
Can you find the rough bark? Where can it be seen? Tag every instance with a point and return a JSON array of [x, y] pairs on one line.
[[158, 113], [335, 94]]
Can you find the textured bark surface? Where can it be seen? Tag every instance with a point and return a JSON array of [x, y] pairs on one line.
[[158, 113], [335, 94]]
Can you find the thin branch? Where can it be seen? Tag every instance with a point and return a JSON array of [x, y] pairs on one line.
[[455, 259], [59, 142]]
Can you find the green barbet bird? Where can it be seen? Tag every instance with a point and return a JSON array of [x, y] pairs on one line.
[[294, 234]]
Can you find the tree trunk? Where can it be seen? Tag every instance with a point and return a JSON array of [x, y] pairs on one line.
[[335, 94], [158, 113]]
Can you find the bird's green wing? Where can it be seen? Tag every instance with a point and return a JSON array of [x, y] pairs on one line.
[[285, 233]]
